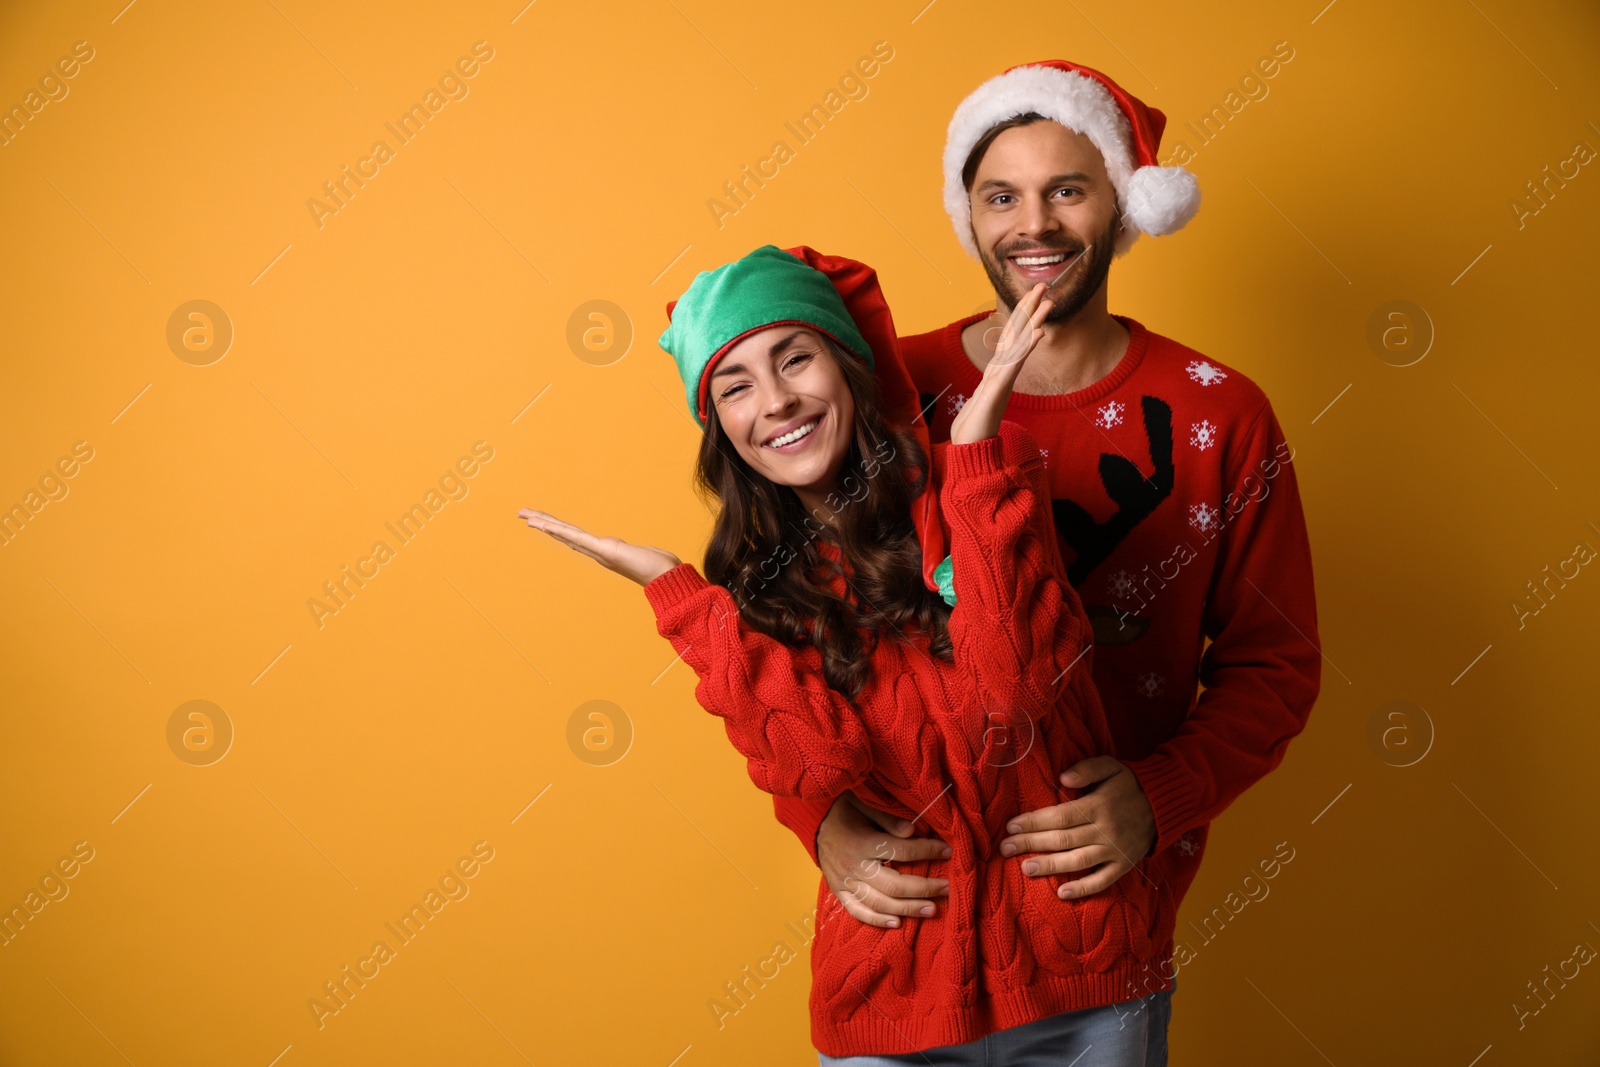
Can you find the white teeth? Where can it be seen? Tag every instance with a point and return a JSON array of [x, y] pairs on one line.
[[1039, 261], [793, 435]]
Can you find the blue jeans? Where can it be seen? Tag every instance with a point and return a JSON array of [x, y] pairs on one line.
[[1133, 1034]]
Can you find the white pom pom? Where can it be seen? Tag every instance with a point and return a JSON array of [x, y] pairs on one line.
[[1161, 199]]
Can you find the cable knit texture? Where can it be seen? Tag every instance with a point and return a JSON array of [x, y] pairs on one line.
[[961, 746], [1179, 518]]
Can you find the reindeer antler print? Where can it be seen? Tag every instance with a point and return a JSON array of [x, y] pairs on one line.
[[1135, 495]]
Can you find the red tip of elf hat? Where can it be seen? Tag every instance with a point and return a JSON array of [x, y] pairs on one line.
[[857, 285], [1154, 199]]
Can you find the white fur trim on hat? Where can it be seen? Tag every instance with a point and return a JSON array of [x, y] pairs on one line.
[[1154, 200], [1161, 199]]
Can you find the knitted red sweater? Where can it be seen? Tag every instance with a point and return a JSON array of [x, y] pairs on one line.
[[960, 745], [1180, 522]]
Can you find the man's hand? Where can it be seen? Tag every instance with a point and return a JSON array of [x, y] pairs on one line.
[[856, 843], [1111, 828]]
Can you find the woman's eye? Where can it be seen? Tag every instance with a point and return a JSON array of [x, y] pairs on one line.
[[797, 359], [726, 393]]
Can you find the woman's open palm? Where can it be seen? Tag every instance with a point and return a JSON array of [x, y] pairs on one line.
[[979, 417], [639, 562]]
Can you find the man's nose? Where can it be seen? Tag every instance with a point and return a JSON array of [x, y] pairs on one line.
[[1035, 218]]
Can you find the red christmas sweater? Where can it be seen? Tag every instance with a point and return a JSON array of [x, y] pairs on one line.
[[1175, 500], [960, 746]]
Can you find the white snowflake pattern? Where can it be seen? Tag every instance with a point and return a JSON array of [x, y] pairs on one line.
[[1109, 414], [1205, 373], [1203, 434], [1188, 845], [1203, 517], [1151, 684], [955, 403], [1044, 454], [1120, 585]]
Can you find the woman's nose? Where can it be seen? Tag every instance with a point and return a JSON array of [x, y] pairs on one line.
[[778, 397]]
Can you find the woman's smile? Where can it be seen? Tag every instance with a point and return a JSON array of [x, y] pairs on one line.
[[792, 438]]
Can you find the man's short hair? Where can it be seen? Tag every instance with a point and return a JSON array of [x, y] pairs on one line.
[[969, 169]]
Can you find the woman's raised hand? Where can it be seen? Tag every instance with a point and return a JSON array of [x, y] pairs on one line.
[[639, 562], [980, 415]]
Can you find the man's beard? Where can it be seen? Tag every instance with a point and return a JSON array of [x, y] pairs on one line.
[[1082, 282]]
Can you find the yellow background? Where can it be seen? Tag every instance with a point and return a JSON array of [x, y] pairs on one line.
[[372, 352]]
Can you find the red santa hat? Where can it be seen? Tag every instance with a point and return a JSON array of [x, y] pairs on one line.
[[1154, 199]]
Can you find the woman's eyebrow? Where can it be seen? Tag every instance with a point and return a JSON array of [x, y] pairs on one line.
[[778, 346], [776, 349]]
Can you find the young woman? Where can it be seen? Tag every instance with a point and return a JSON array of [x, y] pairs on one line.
[[844, 649]]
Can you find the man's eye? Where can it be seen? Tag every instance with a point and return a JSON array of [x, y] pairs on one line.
[[1000, 197], [1067, 191]]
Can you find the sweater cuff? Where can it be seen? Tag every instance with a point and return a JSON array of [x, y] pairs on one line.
[[975, 458], [805, 818], [671, 588], [1168, 785]]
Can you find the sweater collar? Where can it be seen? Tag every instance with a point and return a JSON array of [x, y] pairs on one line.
[[968, 376]]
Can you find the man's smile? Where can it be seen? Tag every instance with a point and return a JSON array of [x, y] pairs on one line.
[[1041, 264]]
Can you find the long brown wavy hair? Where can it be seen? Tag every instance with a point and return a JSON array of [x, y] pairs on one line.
[[764, 544]]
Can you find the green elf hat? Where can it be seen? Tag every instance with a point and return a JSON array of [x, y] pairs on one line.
[[837, 296], [768, 287]]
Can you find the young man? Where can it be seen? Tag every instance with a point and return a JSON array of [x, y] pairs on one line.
[[1174, 498]]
